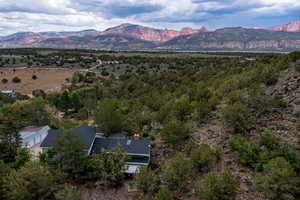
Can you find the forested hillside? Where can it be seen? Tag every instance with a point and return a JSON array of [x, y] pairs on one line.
[[223, 127]]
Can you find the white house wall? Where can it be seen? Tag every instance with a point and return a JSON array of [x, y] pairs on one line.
[[36, 138]]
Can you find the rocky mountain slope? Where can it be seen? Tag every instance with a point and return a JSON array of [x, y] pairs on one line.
[[148, 34], [290, 27], [135, 37], [107, 41], [236, 39]]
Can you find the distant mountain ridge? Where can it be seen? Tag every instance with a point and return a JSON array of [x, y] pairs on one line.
[[135, 37], [290, 27], [148, 34]]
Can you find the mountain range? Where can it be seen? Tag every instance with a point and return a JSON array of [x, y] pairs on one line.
[[284, 37]]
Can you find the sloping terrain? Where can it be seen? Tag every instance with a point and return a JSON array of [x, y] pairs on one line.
[[135, 37], [236, 39]]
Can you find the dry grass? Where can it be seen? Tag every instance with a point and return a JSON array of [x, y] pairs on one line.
[[49, 80]]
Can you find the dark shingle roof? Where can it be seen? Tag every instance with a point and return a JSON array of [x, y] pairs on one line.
[[129, 146], [85, 132], [117, 136], [49, 140], [139, 159]]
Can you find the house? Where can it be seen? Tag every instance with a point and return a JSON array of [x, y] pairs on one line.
[[94, 143], [33, 135], [10, 93], [138, 150], [85, 133]]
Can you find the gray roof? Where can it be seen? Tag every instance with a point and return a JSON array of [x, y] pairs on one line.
[[137, 147], [139, 159], [117, 136], [85, 132], [49, 140]]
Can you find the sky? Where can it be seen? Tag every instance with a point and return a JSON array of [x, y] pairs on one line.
[[75, 15]]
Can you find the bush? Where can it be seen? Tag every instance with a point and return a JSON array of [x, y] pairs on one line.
[[249, 151], [109, 166], [39, 93], [203, 157], [147, 181], [297, 67], [278, 148], [176, 172], [4, 172], [34, 181], [181, 108], [108, 117], [237, 118], [202, 110], [104, 73], [16, 80], [163, 194], [67, 192], [30, 182], [270, 141], [23, 156], [278, 180], [4, 81], [175, 131], [34, 77], [218, 187]]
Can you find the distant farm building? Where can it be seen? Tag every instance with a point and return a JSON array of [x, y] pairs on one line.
[[10, 93]]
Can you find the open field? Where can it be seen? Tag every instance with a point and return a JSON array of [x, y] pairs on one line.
[[49, 80]]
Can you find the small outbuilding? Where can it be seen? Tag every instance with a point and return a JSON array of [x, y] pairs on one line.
[[33, 135], [10, 93]]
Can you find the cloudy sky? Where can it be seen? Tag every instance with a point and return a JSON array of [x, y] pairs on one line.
[[59, 15]]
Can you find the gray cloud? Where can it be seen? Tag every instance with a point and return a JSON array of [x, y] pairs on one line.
[[58, 15]]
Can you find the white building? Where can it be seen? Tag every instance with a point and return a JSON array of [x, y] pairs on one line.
[[10, 93], [33, 135]]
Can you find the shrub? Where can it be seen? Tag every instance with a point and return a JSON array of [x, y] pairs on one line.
[[237, 118], [278, 180], [181, 108], [4, 172], [218, 187], [202, 111], [16, 80], [270, 141], [163, 194], [34, 77], [249, 151], [147, 181], [108, 118], [67, 192], [175, 131], [4, 81], [109, 166], [203, 157], [22, 157], [176, 172], [39, 93], [104, 73], [297, 67], [30, 182], [269, 75], [278, 148]]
